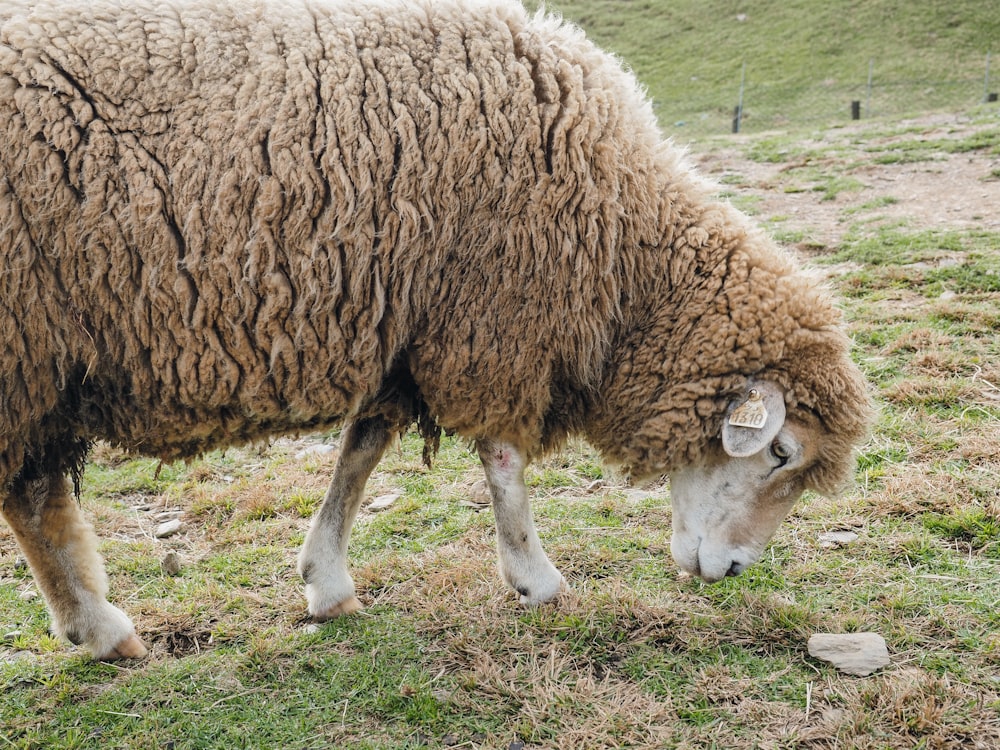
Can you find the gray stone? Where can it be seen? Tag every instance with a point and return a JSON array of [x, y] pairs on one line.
[[23, 657], [479, 496], [833, 539], [383, 501], [318, 450], [171, 564], [167, 528], [854, 653]]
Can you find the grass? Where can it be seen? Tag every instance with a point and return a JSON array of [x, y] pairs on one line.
[[805, 60], [636, 655]]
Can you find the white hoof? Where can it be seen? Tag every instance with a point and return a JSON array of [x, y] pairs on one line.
[[330, 596], [539, 588], [105, 631], [130, 648], [340, 609]]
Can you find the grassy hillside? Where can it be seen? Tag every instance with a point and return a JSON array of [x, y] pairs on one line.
[[806, 59]]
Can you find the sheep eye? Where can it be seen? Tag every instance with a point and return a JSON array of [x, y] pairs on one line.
[[780, 451]]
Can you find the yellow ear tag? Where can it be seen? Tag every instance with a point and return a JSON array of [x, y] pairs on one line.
[[751, 413]]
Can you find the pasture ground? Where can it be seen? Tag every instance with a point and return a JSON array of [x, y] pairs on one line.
[[902, 218]]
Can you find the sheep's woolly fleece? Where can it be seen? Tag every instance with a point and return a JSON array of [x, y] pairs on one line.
[[221, 221]]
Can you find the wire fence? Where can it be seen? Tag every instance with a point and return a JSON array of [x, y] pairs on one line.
[[760, 106]]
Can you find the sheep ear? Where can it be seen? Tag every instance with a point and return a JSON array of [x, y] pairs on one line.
[[754, 421]]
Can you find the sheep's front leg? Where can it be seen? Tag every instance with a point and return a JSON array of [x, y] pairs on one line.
[[61, 549], [323, 560], [523, 563]]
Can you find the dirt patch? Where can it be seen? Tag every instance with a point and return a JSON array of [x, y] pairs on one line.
[[927, 188]]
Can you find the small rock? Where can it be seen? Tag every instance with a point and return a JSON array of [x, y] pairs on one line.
[[947, 295], [11, 635], [319, 449], [20, 564], [639, 494], [854, 653], [28, 595], [310, 628], [167, 528], [834, 539], [171, 564], [18, 656], [383, 501], [479, 496]]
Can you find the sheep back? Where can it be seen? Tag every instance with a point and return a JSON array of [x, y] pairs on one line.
[[223, 222]]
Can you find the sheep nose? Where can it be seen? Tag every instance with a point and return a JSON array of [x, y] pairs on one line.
[[734, 570]]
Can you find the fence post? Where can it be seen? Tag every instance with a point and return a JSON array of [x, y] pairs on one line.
[[855, 109], [738, 114], [868, 97], [986, 80]]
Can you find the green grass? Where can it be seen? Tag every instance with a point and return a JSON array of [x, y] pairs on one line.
[[929, 262], [806, 61]]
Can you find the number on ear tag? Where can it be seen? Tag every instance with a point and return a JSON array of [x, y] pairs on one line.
[[751, 413]]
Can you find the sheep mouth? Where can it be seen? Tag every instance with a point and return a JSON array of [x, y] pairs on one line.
[[694, 558]]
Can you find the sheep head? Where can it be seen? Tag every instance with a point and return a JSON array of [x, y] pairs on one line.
[[727, 506]]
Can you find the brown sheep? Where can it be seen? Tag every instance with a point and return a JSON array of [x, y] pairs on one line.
[[223, 221]]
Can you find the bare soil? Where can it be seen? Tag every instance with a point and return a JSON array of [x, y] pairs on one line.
[[946, 191]]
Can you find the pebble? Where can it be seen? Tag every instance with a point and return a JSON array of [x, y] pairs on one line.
[[18, 656], [28, 595], [167, 528], [479, 496], [859, 654], [383, 501], [834, 539], [320, 449], [171, 564]]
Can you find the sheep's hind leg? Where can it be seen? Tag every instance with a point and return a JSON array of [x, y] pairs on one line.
[[323, 560], [523, 562], [61, 549]]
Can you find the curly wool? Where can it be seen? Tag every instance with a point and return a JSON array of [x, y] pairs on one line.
[[223, 222]]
